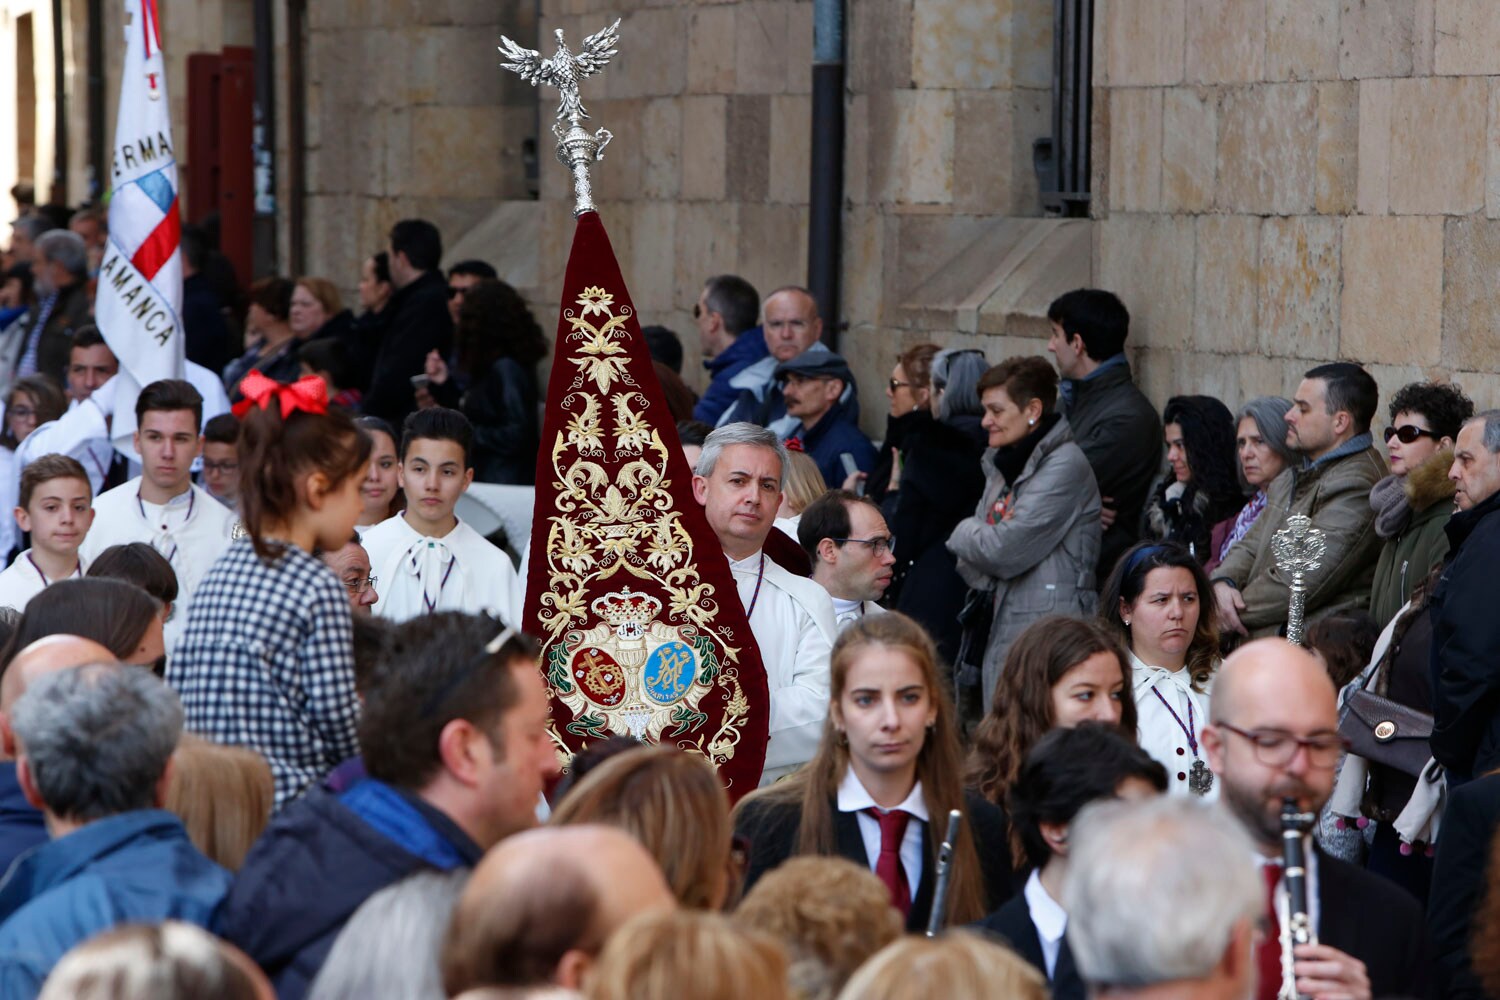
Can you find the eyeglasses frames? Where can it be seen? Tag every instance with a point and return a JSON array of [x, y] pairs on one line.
[[1408, 433]]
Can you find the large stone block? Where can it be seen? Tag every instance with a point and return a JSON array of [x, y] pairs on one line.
[[1471, 296], [1338, 147], [439, 56], [618, 176], [1492, 155], [1467, 38], [1148, 259], [864, 264], [1135, 149], [1145, 42], [460, 149], [961, 44], [791, 147], [1227, 277], [880, 45], [761, 47], [704, 153], [651, 271], [924, 143], [1298, 311], [857, 150], [657, 68], [1031, 23], [661, 148], [1424, 38], [749, 157], [1302, 40], [711, 50], [1190, 142], [1374, 167], [1032, 117], [982, 169], [1375, 38], [1392, 306], [706, 245], [772, 245], [1267, 166], [1226, 41], [1433, 169]]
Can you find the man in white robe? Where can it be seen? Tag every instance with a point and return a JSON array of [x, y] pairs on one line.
[[738, 482]]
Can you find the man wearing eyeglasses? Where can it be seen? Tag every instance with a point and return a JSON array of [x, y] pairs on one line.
[[850, 546], [1274, 736], [351, 564]]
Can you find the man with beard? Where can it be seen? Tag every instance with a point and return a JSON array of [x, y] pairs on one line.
[[1275, 735]]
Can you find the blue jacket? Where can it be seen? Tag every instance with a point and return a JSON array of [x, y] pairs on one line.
[[136, 867], [21, 823], [748, 348], [321, 857], [833, 435]]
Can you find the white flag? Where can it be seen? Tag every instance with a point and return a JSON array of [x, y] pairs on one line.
[[139, 301]]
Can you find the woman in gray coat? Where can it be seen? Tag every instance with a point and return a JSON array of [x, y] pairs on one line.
[[1034, 539]]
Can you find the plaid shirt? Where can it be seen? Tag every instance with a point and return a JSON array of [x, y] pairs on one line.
[[267, 662]]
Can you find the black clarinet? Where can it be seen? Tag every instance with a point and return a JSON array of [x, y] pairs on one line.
[[1297, 928], [944, 874]]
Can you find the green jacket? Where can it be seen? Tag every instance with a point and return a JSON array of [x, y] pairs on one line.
[[1335, 493], [1407, 557]]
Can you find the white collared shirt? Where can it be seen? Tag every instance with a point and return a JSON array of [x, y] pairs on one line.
[[792, 622], [846, 613], [462, 571], [853, 797], [23, 580], [1158, 733], [1049, 919]]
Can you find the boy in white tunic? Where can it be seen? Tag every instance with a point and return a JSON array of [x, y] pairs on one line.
[[162, 507], [738, 481], [425, 558], [55, 509]]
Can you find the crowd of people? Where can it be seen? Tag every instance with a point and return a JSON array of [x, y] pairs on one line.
[[271, 723]]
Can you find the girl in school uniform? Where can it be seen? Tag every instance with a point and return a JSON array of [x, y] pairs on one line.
[[267, 658], [886, 773]]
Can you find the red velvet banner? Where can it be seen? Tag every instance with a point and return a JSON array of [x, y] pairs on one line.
[[642, 628]]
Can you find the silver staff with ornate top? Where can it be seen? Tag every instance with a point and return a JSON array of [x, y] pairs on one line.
[[1299, 550], [577, 147]]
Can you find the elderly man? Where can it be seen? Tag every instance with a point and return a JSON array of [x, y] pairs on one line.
[[21, 824], [821, 416], [454, 740], [1139, 924], [1329, 423], [96, 746], [1275, 736], [738, 482], [540, 907], [351, 564], [1465, 629], [850, 546], [792, 328], [60, 273]]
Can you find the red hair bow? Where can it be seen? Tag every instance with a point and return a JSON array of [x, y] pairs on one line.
[[308, 394]]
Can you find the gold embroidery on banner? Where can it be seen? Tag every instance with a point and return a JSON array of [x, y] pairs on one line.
[[619, 664]]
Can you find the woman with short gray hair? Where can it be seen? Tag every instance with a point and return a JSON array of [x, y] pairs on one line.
[[1263, 454]]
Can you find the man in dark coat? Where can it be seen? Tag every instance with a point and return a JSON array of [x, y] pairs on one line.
[[814, 385], [454, 745], [1112, 420], [1275, 735], [729, 339], [1465, 629], [60, 279], [419, 321], [1460, 876]]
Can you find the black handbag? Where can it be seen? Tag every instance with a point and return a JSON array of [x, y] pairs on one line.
[[977, 617], [1387, 732]]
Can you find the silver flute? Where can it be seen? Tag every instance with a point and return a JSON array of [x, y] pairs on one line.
[[1297, 927], [944, 874]]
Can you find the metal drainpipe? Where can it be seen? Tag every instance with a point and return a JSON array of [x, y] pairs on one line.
[[826, 194], [58, 191]]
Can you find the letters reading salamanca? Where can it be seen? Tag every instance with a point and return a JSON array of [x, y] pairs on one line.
[[143, 152], [138, 295]]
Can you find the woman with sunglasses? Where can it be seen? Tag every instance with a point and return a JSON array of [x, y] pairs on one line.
[[1413, 503], [909, 391]]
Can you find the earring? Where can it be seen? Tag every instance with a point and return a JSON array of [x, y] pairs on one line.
[[1126, 621], [1031, 423]]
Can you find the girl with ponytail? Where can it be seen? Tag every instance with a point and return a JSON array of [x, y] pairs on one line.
[[267, 658]]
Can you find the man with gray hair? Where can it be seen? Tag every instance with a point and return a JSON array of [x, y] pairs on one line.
[[60, 272], [24, 232], [1465, 629], [96, 745], [1162, 901], [738, 482]]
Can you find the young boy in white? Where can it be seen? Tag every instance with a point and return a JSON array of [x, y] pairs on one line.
[[54, 508], [162, 507], [425, 558]]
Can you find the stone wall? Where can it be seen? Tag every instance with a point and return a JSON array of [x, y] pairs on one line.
[[1282, 182]]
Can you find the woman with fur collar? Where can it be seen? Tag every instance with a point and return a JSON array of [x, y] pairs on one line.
[[1202, 486], [1413, 503]]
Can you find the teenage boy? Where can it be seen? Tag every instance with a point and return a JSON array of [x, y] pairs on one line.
[[221, 460], [162, 507], [55, 508], [425, 558]]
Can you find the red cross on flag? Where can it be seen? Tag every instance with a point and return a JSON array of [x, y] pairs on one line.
[[140, 278]]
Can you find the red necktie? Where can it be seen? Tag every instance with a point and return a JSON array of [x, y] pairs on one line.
[[1268, 952], [888, 865]]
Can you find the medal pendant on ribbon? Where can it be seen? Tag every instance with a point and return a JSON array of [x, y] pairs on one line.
[[1200, 778]]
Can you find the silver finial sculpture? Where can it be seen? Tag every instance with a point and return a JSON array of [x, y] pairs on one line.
[[1299, 550], [577, 148]]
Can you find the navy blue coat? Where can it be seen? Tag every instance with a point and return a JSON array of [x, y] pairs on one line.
[[835, 434], [748, 348]]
